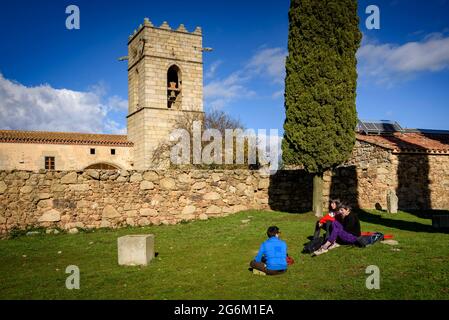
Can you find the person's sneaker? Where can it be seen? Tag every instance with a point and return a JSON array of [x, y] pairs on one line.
[[319, 252], [259, 273], [333, 246]]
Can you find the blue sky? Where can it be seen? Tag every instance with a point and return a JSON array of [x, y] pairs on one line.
[[58, 79]]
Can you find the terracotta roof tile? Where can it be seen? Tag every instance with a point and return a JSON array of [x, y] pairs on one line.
[[44, 137], [414, 142], [398, 142]]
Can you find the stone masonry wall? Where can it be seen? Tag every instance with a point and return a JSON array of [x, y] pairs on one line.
[[95, 199], [421, 181], [365, 179]]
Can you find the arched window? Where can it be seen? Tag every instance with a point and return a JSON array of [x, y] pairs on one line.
[[102, 166], [174, 87]]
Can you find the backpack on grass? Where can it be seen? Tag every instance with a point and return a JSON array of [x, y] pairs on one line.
[[364, 241], [313, 245]]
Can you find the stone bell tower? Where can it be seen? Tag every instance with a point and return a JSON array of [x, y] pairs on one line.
[[165, 81]]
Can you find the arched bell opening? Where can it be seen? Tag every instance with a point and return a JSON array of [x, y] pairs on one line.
[[174, 87]]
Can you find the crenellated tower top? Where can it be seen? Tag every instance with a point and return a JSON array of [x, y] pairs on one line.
[[164, 26]]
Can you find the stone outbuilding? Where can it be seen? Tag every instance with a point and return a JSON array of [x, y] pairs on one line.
[[412, 163]]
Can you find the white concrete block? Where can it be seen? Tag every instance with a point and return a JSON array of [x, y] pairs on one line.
[[134, 250]]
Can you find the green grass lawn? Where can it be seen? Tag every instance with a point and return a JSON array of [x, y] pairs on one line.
[[209, 260]]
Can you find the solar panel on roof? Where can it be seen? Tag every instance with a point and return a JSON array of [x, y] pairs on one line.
[[379, 127]]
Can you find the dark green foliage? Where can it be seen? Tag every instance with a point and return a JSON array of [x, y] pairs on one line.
[[320, 85]]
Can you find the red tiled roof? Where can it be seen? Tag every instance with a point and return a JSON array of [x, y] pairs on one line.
[[398, 142], [409, 142], [43, 137]]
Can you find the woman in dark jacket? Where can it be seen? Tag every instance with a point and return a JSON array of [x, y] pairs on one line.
[[345, 228]]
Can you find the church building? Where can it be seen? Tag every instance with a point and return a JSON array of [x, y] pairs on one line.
[[165, 81]]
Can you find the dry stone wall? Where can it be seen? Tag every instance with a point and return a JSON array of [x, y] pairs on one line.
[[420, 181], [95, 199], [365, 179]]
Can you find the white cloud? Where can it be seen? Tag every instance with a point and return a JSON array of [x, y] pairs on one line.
[[210, 73], [227, 88], [114, 127], [220, 92], [115, 103], [278, 94], [46, 108], [267, 64], [391, 63]]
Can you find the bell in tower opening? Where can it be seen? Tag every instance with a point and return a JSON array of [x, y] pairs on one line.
[[174, 90]]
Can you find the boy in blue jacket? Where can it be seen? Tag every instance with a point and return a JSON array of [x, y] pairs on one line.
[[272, 256]]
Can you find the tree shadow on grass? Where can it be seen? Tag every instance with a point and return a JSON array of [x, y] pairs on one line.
[[344, 184], [412, 226], [426, 214]]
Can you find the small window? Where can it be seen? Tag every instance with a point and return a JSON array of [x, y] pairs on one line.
[[113, 152], [92, 151], [50, 163]]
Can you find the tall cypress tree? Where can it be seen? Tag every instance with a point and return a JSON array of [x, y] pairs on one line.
[[320, 87]]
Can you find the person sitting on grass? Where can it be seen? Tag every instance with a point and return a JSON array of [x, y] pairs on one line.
[[325, 223], [272, 256], [345, 229]]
